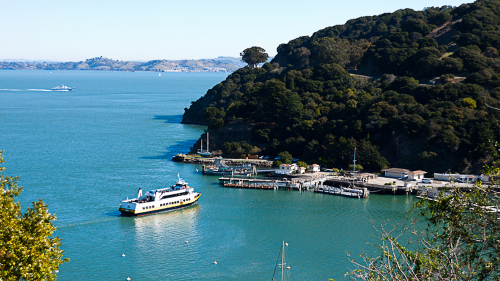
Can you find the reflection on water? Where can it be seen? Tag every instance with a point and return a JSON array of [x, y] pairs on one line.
[[166, 233], [180, 222]]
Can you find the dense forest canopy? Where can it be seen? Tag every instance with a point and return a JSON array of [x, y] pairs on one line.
[[409, 89]]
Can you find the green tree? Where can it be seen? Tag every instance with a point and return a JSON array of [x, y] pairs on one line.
[[461, 240], [254, 56], [302, 164], [286, 157], [27, 249], [332, 50], [277, 163], [358, 167]]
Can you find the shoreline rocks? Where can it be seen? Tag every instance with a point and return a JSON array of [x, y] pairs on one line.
[[190, 159]]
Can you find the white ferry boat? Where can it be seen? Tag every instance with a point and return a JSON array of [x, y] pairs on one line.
[[62, 88], [177, 196]]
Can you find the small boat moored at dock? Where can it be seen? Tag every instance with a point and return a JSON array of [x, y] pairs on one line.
[[343, 191], [176, 196], [351, 191]]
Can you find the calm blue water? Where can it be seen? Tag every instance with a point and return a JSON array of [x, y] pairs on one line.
[[82, 152]]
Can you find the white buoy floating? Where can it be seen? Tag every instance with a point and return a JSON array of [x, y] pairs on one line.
[[128, 279], [123, 255], [215, 262], [197, 170], [187, 242], [286, 244], [287, 267]]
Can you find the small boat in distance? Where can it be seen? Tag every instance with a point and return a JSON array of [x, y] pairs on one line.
[[177, 196], [62, 88]]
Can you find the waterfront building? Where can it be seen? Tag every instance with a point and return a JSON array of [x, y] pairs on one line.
[[396, 173], [460, 178], [313, 168], [403, 174], [416, 175], [287, 169]]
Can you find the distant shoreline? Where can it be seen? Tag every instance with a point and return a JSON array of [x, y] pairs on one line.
[[221, 64]]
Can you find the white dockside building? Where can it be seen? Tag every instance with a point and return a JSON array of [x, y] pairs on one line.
[[404, 174]]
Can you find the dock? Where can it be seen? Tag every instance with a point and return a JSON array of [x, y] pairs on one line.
[[346, 192], [295, 183], [374, 188]]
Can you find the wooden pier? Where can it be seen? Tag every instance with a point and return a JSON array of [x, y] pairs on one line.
[[299, 184], [304, 183]]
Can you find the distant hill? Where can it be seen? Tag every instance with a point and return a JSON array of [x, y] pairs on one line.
[[221, 64], [409, 89]]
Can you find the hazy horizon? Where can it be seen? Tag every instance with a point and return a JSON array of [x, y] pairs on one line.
[[55, 61], [69, 31]]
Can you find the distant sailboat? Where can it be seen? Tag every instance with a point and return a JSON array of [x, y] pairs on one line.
[[159, 74], [207, 152]]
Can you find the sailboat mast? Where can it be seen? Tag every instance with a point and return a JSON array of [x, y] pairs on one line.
[[207, 144], [282, 258], [354, 170]]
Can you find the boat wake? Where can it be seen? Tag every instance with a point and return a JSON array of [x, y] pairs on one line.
[[23, 90]]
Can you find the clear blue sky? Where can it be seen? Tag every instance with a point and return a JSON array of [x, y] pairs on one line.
[[164, 29]]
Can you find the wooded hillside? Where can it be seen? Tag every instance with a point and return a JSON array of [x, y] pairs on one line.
[[409, 89]]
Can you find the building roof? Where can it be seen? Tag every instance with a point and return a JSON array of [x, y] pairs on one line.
[[288, 165], [417, 172], [396, 170]]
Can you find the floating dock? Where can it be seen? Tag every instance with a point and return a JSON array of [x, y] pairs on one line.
[[346, 192], [374, 188]]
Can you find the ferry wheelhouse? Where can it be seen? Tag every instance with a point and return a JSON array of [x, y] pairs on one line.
[[176, 196]]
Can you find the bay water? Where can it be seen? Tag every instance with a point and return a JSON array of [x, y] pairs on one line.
[[84, 151]]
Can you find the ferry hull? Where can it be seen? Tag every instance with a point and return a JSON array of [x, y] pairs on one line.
[[131, 213]]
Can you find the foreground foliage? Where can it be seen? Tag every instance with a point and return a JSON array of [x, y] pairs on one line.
[[27, 249], [461, 241]]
